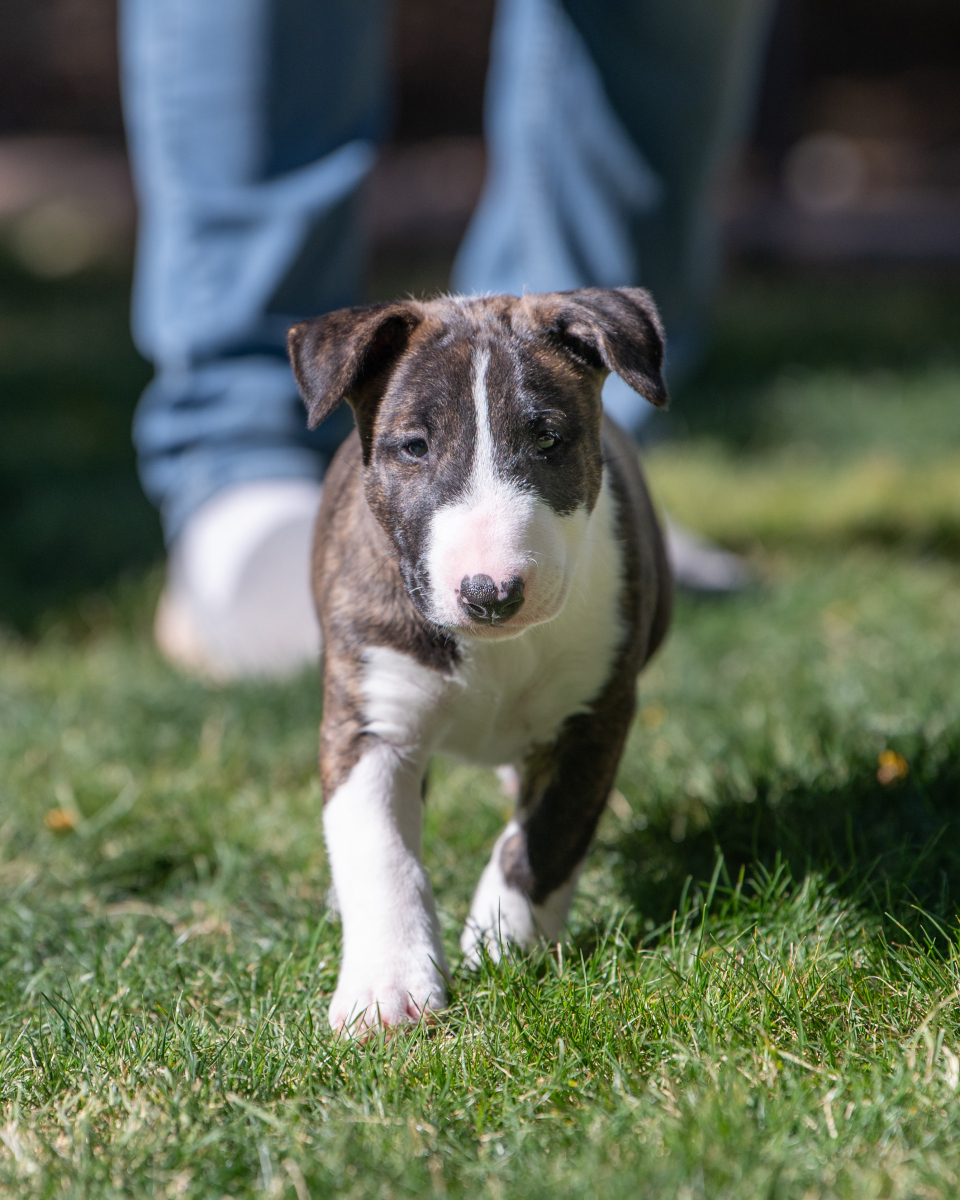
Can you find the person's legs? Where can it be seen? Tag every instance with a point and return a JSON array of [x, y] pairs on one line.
[[251, 125], [608, 123]]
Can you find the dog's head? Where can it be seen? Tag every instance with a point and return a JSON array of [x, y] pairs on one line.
[[479, 421]]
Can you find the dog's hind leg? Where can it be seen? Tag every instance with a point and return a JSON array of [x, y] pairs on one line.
[[526, 889]]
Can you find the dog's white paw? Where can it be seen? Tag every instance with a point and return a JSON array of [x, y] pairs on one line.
[[501, 914], [503, 919], [395, 993]]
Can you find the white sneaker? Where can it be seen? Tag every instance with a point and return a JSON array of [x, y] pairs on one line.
[[237, 602], [700, 566]]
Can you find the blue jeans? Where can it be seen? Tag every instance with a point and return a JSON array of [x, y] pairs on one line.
[[253, 123]]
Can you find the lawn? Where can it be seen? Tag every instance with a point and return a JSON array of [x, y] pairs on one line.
[[758, 996]]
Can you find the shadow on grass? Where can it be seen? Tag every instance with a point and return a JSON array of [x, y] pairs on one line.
[[146, 871], [896, 849]]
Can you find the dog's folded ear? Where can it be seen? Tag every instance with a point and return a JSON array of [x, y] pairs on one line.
[[348, 355], [612, 329]]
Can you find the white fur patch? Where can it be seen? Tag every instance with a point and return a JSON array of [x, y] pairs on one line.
[[501, 914], [402, 698], [484, 461]]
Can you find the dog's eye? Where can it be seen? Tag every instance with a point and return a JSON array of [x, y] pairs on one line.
[[416, 448], [547, 441]]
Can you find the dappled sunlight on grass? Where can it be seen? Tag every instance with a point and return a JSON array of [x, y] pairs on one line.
[[797, 499], [836, 458], [168, 957], [758, 994]]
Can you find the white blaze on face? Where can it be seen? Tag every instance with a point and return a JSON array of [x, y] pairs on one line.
[[498, 528]]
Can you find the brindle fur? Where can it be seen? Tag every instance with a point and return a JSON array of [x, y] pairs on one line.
[[352, 556], [383, 359]]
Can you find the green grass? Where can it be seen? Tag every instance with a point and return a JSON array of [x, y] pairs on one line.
[[758, 996]]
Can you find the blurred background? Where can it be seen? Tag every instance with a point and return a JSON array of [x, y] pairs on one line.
[[842, 224]]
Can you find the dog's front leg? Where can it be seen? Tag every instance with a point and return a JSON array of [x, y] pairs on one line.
[[527, 887], [393, 965]]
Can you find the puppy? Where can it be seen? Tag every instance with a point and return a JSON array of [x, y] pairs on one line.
[[490, 579]]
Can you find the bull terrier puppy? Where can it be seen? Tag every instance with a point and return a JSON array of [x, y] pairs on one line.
[[490, 579]]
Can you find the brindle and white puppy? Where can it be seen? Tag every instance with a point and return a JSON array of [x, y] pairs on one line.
[[490, 578]]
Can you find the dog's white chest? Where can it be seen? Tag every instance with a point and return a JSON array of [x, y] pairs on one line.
[[506, 696], [519, 694]]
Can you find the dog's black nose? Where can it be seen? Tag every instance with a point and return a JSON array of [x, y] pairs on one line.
[[483, 601]]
